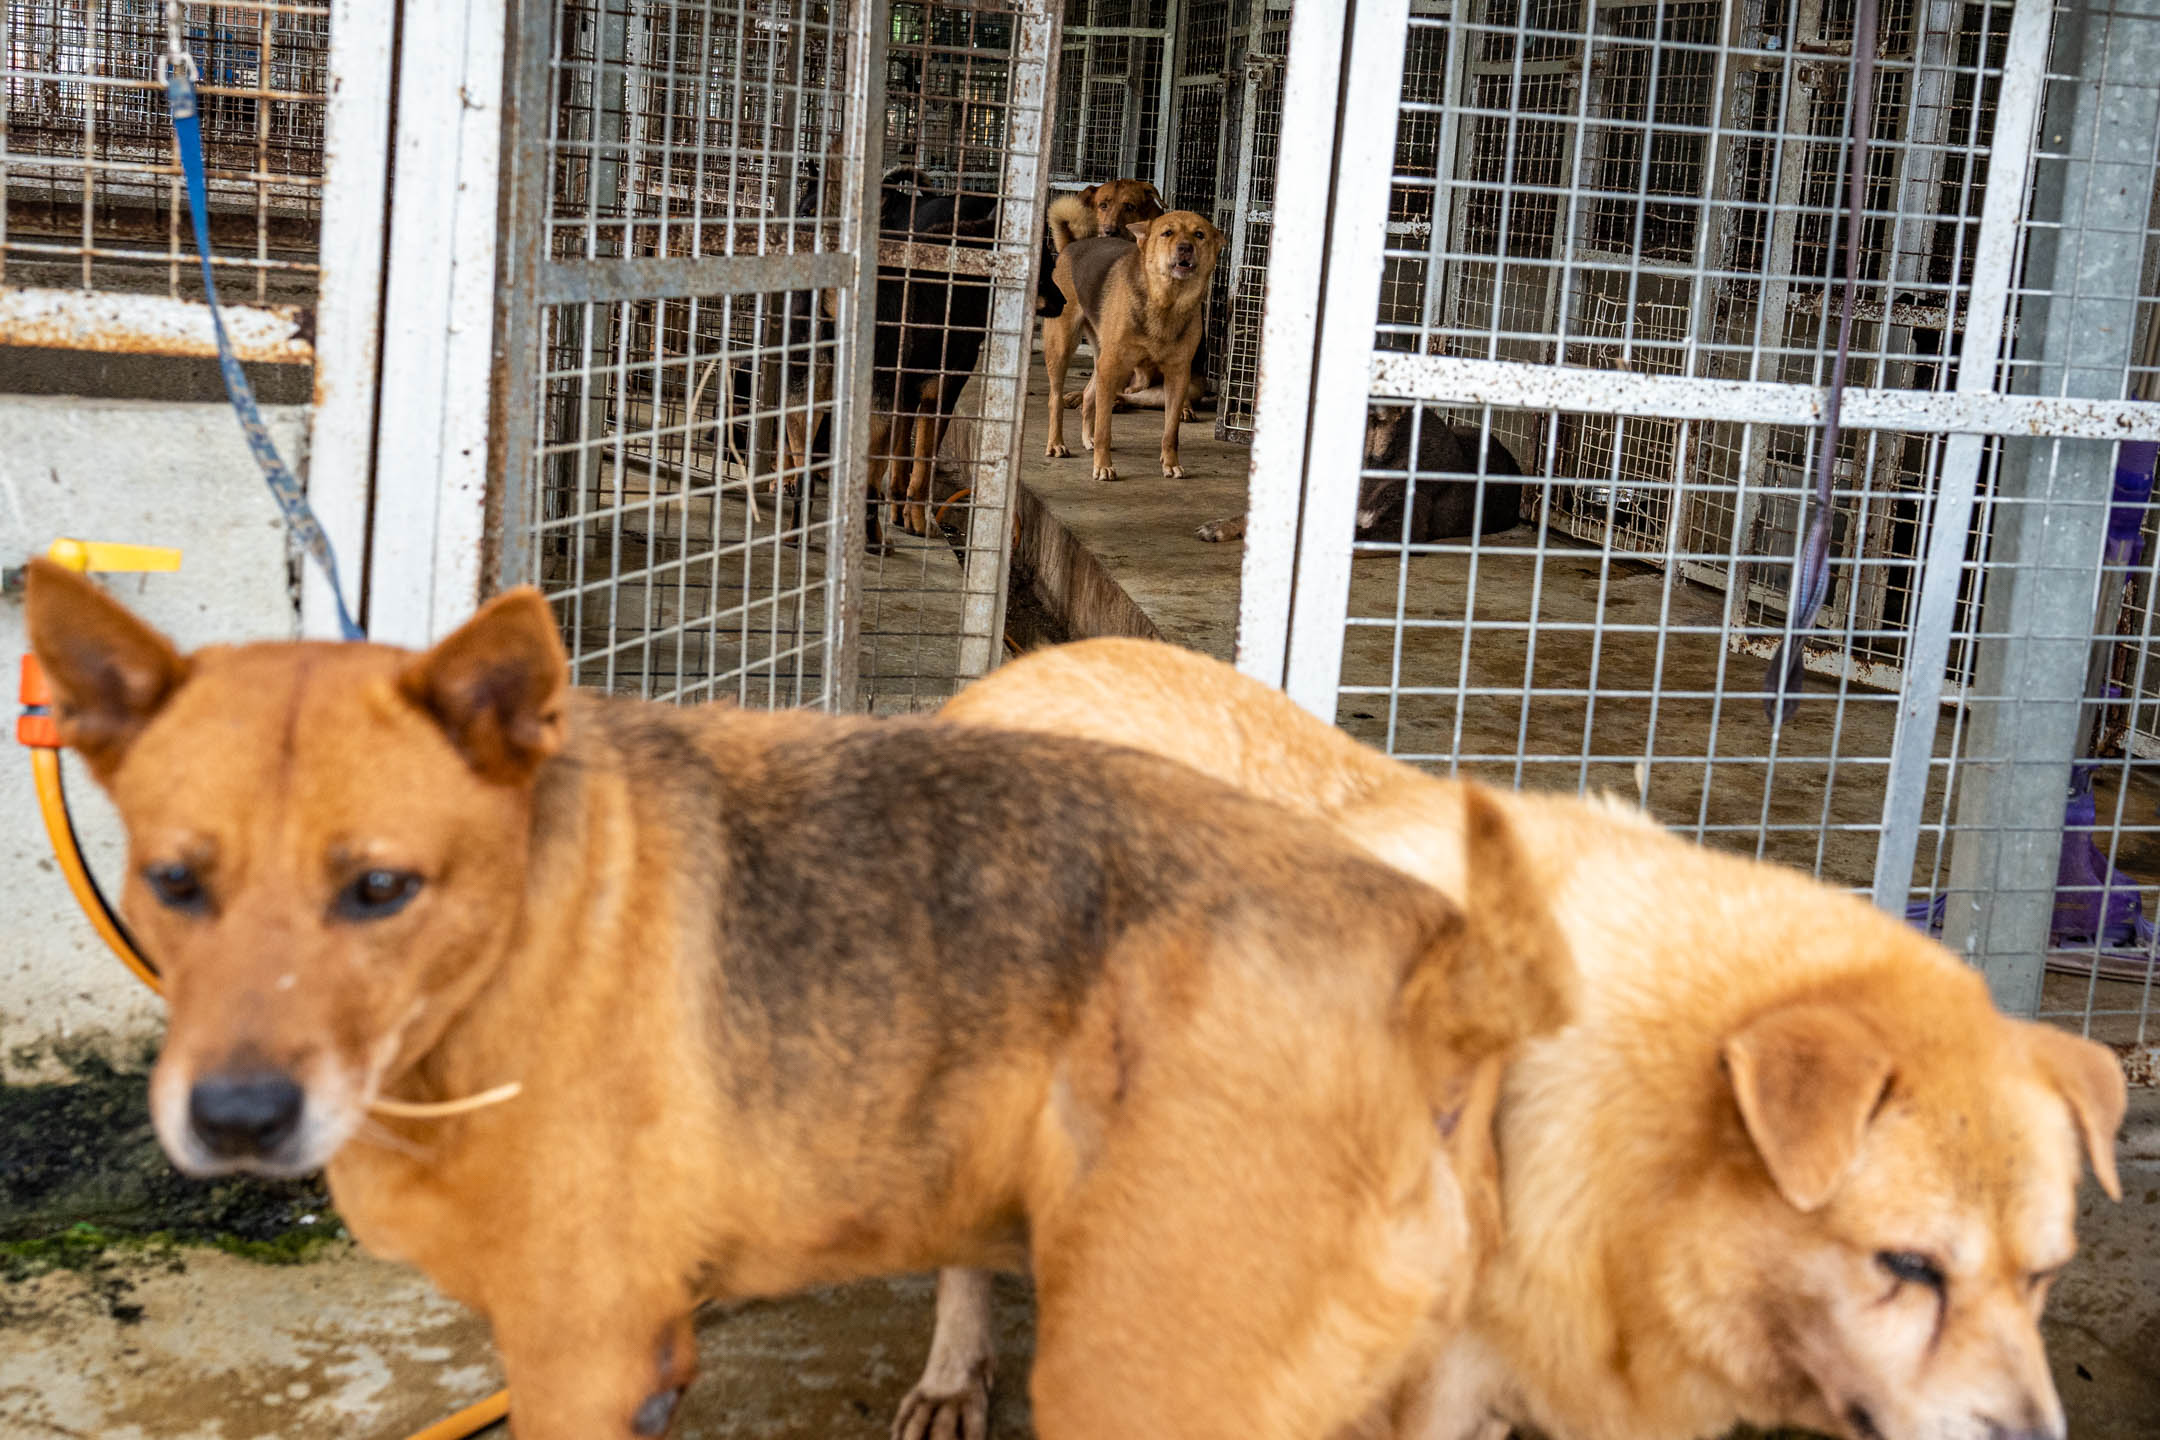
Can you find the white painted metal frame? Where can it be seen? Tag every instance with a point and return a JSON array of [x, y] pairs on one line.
[[1342, 362], [438, 322], [1004, 369], [2017, 118], [1283, 400], [348, 310]]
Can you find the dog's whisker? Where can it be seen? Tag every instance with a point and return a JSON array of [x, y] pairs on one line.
[[374, 1132]]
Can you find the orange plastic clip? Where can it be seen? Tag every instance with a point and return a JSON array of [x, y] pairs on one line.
[[36, 726]]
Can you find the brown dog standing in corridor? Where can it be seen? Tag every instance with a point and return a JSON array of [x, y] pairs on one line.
[[1788, 1166], [1139, 301], [793, 999]]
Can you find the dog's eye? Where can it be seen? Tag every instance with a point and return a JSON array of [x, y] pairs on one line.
[[1911, 1268], [376, 894], [178, 887]]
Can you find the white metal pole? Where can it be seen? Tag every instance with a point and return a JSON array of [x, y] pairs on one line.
[[348, 308], [438, 333]]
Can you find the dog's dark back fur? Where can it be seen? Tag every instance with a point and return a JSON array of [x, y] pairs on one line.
[[1091, 260], [1444, 504], [908, 891]]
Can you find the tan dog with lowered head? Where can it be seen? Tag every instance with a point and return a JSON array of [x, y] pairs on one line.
[[1139, 301], [792, 999], [1789, 1166]]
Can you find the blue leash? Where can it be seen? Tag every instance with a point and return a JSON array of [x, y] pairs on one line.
[[284, 487]]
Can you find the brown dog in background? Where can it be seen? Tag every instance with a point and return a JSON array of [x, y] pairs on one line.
[[792, 999], [1139, 301], [1787, 1167], [1106, 209]]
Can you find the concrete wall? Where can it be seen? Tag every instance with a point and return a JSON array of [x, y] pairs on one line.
[[147, 472]]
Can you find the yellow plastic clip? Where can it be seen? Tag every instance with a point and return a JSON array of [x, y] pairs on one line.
[[109, 558]]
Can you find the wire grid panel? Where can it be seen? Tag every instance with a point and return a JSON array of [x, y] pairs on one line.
[[967, 91], [1252, 218], [684, 259], [94, 194], [1630, 293], [1111, 92]]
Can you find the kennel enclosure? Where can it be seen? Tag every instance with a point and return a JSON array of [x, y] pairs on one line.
[[1625, 266]]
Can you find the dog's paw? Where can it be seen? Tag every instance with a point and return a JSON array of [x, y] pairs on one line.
[[964, 1415], [1072, 400], [1173, 472], [1217, 531], [1185, 414], [1087, 440], [1105, 472], [1055, 451]]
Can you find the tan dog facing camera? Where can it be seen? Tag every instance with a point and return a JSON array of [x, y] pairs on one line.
[[1787, 1167], [1140, 301], [790, 999]]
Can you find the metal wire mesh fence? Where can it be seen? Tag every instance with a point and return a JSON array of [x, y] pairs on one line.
[[1608, 298], [1111, 91], [94, 197], [685, 179], [966, 90], [741, 322]]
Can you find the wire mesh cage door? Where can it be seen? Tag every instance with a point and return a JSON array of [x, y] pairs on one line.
[[683, 312], [1589, 404], [1114, 91], [966, 89]]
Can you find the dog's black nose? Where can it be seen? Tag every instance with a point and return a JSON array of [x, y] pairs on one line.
[[237, 1116]]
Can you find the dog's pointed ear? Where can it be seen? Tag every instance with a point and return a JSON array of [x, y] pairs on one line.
[[498, 685], [1087, 196], [1215, 236], [1137, 231], [1156, 196], [2091, 1079], [109, 672], [1808, 1079]]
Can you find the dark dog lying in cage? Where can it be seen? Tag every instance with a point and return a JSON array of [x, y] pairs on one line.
[[931, 326], [1444, 503]]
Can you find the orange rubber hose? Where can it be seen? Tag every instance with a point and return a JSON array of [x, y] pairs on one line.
[[469, 1421]]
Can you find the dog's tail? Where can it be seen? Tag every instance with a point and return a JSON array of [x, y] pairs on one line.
[[1504, 973]]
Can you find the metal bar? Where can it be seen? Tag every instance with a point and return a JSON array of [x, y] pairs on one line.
[[116, 323], [1173, 60], [1357, 241], [2051, 499], [514, 412], [2010, 153], [1257, 69], [438, 337], [1004, 366], [1517, 384], [356, 172], [1282, 400], [848, 537], [1010, 266]]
